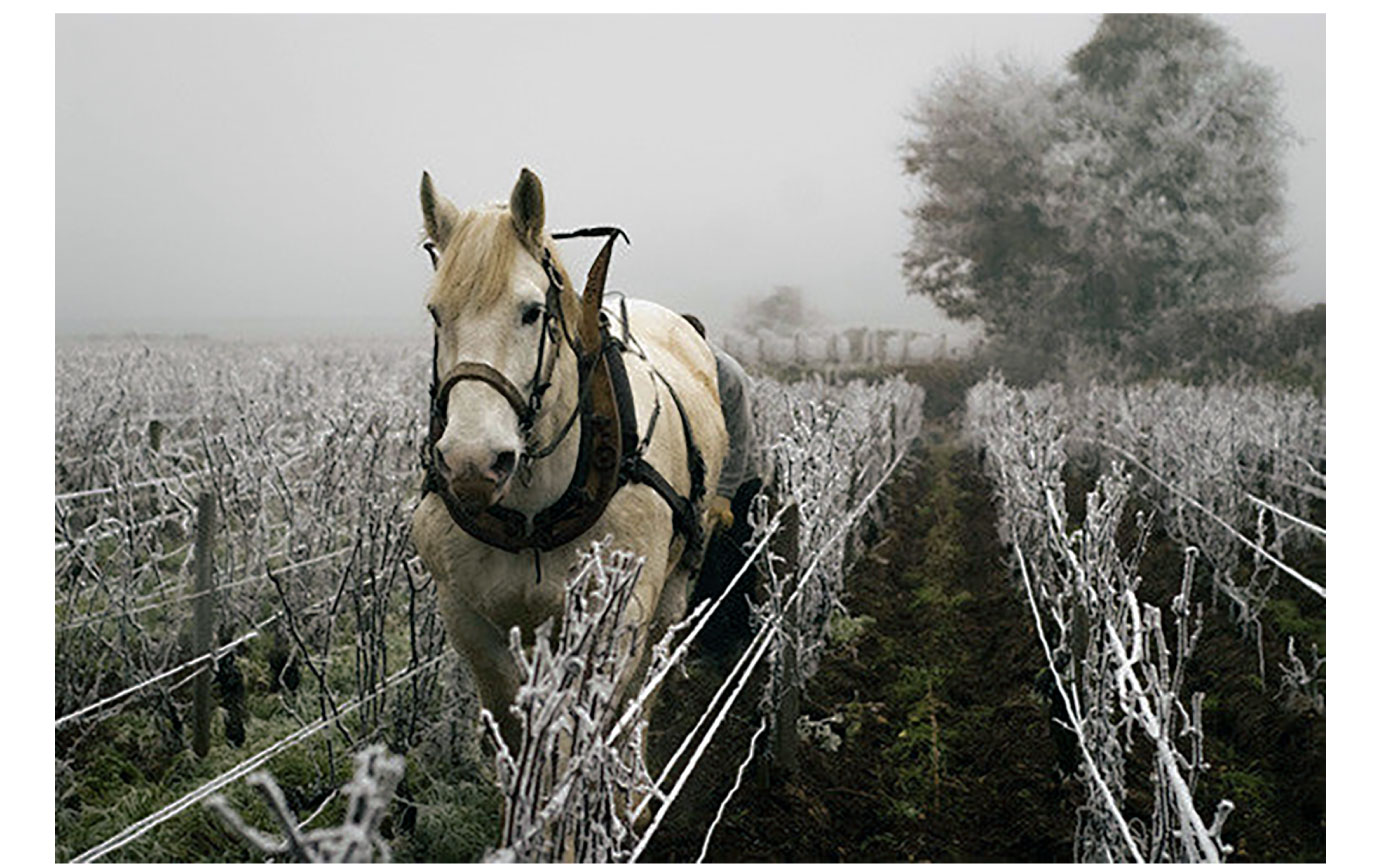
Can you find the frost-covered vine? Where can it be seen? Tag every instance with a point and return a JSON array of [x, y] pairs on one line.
[[1117, 676], [568, 784], [1238, 473], [576, 785], [308, 450], [824, 447], [356, 838]]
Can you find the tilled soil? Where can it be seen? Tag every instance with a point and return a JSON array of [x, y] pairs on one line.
[[944, 750], [943, 747]]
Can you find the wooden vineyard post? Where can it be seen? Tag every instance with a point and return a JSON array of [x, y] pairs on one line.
[[787, 545], [201, 628], [892, 429]]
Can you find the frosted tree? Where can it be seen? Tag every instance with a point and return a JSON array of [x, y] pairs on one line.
[[1087, 206]]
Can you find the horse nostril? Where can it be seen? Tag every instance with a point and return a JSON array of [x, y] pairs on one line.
[[503, 464]]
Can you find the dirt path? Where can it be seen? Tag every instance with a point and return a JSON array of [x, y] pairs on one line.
[[943, 749]]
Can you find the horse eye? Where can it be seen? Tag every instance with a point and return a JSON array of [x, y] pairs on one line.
[[531, 314]]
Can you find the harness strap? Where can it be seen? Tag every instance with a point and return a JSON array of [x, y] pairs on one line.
[[594, 482], [598, 231], [694, 458], [495, 379], [636, 469], [609, 454]]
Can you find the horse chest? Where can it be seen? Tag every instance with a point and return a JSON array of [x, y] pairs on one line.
[[509, 594], [501, 586]]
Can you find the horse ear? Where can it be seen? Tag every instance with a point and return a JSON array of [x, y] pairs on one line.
[[440, 215], [528, 207]]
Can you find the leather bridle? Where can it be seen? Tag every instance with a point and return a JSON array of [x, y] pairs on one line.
[[553, 313], [600, 453]]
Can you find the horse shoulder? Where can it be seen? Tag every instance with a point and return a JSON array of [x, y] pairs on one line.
[[686, 362]]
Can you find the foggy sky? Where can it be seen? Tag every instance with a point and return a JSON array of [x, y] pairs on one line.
[[248, 174]]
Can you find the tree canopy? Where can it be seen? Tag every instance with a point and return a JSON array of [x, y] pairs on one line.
[[1087, 204]]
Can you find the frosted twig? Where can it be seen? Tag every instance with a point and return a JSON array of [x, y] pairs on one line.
[[143, 826], [1304, 580], [1302, 523], [356, 839]]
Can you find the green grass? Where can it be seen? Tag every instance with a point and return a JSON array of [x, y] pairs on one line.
[[925, 735], [134, 763], [1291, 622]]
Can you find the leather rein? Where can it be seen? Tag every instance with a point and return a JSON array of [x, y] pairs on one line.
[[608, 453]]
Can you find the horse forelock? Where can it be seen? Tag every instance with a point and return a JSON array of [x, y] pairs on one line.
[[475, 269]]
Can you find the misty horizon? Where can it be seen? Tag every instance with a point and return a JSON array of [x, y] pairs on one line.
[[249, 175]]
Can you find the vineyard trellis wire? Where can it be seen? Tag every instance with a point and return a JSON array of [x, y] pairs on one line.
[[1112, 667], [209, 788], [306, 449], [210, 656], [829, 450]]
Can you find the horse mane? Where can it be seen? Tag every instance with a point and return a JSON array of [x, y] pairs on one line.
[[476, 264]]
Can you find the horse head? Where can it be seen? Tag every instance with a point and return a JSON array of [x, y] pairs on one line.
[[505, 375]]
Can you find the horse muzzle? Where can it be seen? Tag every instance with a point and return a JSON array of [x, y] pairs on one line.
[[477, 488]]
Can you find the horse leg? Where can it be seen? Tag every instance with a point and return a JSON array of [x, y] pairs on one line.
[[486, 648]]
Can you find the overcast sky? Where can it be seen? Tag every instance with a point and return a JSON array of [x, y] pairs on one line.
[[238, 174]]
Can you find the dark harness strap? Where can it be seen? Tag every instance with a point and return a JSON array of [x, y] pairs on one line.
[[636, 469], [606, 459], [495, 379], [592, 485]]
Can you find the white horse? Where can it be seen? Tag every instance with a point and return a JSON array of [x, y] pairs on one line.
[[497, 526]]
